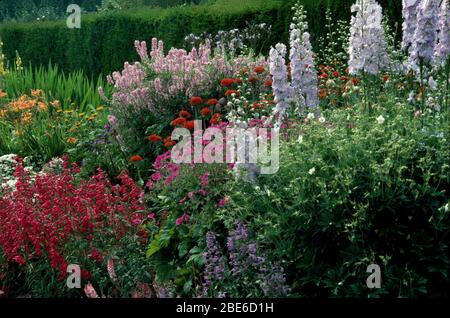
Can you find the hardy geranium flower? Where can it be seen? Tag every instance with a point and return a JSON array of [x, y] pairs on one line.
[[136, 158], [180, 121], [196, 101], [154, 138], [205, 112], [184, 114], [227, 82]]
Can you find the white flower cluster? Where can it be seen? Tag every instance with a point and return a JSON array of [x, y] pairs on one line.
[[7, 168], [368, 47]]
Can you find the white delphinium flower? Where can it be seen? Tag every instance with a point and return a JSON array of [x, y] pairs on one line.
[[409, 22], [425, 36], [442, 52], [367, 50], [282, 89], [303, 70]]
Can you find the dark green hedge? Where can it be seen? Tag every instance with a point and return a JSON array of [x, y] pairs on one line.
[[105, 41]]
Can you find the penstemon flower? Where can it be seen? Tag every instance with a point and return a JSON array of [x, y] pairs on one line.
[[367, 51]]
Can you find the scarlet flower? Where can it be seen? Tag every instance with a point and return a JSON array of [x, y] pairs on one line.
[[216, 118], [189, 125], [232, 91], [196, 100], [205, 112], [268, 83], [180, 121], [323, 93], [355, 81], [344, 78], [227, 82], [336, 74], [168, 142], [386, 78], [154, 138], [324, 75], [184, 114], [238, 81], [253, 79], [212, 102], [259, 69], [136, 158]]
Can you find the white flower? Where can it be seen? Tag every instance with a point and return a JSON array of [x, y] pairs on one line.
[[381, 119], [322, 119], [312, 171], [300, 139], [311, 116]]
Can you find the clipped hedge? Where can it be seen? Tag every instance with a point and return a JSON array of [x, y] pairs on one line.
[[105, 41]]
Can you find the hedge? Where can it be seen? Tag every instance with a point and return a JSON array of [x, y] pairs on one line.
[[105, 41]]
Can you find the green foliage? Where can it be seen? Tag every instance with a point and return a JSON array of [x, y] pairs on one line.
[[353, 191], [106, 40]]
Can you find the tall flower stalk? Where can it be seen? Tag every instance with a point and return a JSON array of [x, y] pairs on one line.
[[409, 22]]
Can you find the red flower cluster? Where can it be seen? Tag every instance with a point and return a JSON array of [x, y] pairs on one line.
[[40, 218]]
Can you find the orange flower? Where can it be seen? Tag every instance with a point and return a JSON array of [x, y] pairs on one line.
[[178, 122], [136, 158], [205, 112], [226, 82], [259, 69], [2, 94], [184, 114], [42, 106], [231, 91], [216, 118], [323, 93], [72, 140], [37, 92], [212, 102], [189, 125], [154, 138], [244, 71], [196, 101]]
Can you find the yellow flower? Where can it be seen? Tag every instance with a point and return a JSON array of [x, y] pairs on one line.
[[82, 114], [26, 118], [100, 108], [3, 113], [59, 111], [68, 111], [72, 140]]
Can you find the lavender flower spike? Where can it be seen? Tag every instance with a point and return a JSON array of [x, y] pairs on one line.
[[442, 52], [425, 36], [409, 22], [367, 50]]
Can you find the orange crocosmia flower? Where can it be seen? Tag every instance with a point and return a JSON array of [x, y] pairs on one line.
[[136, 158], [205, 112], [180, 121], [154, 138], [196, 101], [72, 140], [226, 82], [259, 69], [184, 114], [189, 125], [232, 91]]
